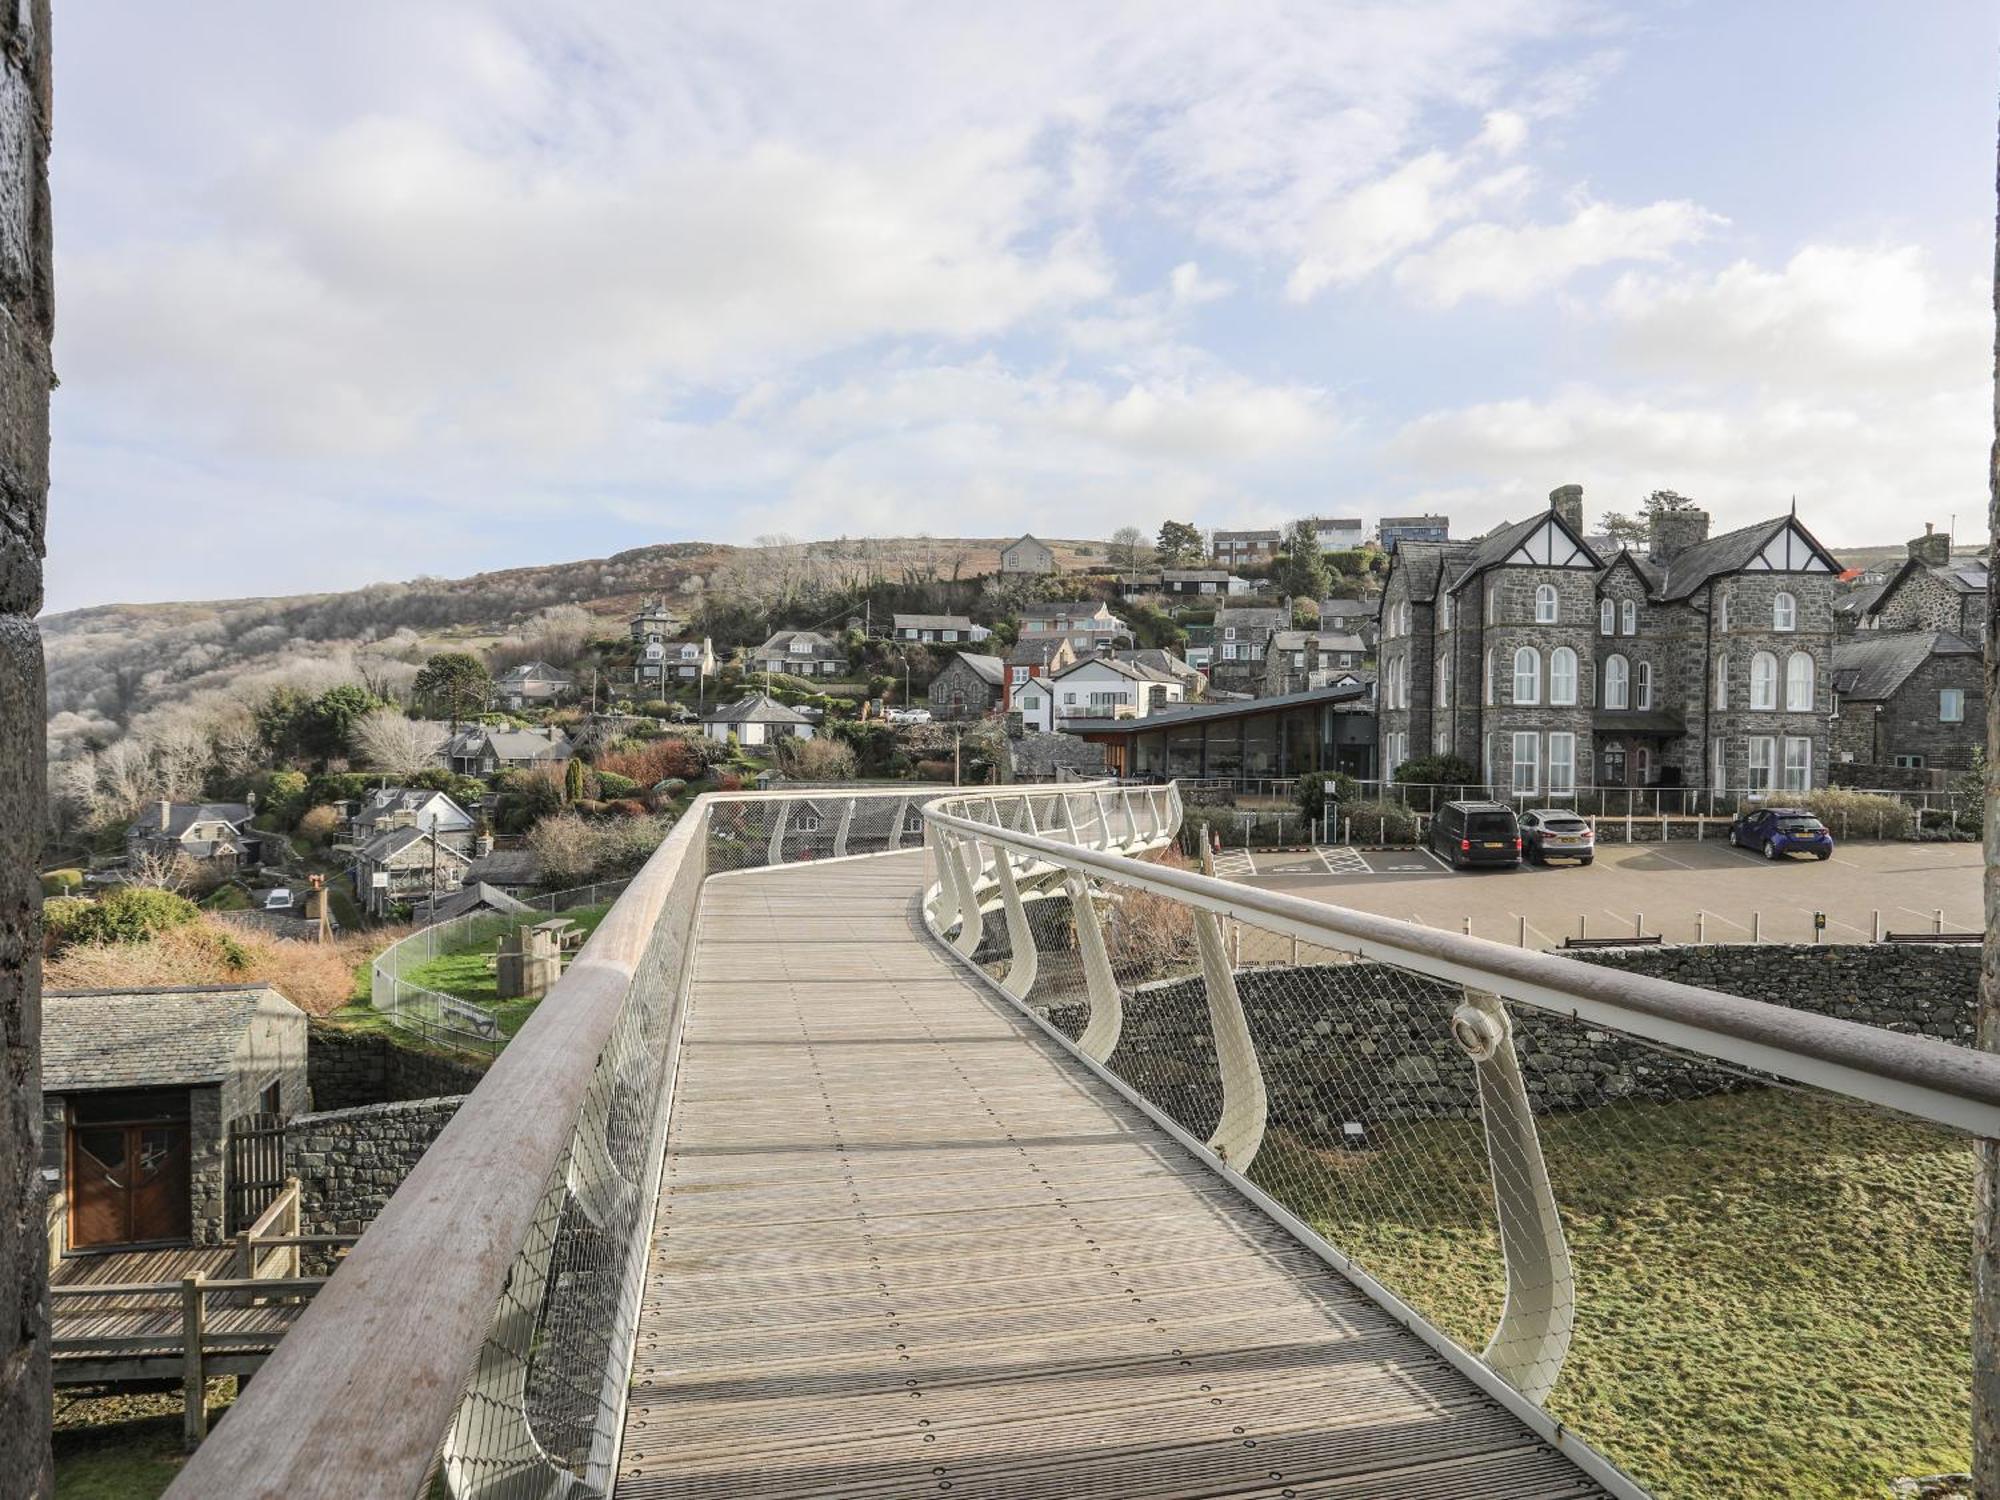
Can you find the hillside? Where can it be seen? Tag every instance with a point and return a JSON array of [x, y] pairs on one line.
[[110, 664]]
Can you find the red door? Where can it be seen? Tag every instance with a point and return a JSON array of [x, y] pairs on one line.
[[128, 1184]]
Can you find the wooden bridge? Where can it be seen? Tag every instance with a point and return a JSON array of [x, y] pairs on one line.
[[906, 1244]]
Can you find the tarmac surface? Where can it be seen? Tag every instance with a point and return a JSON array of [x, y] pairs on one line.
[[1684, 891]]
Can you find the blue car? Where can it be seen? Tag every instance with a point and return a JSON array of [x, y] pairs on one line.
[[1782, 830]]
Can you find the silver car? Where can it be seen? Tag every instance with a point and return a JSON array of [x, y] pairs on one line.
[[1556, 833]]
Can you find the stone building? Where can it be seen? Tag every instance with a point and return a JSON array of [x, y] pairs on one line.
[[1704, 663], [1027, 555], [1931, 592], [1295, 660], [1241, 637], [970, 686], [1911, 699]]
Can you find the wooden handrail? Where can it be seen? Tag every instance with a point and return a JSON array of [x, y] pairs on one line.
[[417, 1294]]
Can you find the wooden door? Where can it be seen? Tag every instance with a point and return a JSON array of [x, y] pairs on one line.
[[128, 1184]]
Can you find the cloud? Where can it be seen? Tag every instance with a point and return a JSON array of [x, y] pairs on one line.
[[1511, 264]]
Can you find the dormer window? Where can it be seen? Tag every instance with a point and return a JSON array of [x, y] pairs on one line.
[[1628, 623]]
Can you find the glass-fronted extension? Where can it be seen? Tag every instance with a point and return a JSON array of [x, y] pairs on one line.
[[1324, 729]]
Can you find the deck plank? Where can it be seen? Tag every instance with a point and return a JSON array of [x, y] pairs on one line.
[[905, 1244]]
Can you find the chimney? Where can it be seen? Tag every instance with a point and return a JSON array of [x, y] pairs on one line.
[[1932, 549], [1566, 500], [166, 814], [482, 842], [1674, 531]]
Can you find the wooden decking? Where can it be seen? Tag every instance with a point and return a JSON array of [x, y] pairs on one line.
[[906, 1245], [138, 1333]]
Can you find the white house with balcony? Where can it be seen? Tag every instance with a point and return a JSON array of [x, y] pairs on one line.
[[1088, 625], [1097, 688], [684, 660]]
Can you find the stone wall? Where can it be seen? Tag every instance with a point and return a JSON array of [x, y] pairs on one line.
[[1368, 1043], [27, 322], [1036, 757], [348, 1069], [349, 1161]]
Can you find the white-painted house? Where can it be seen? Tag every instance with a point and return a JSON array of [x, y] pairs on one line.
[[756, 720], [1096, 688]]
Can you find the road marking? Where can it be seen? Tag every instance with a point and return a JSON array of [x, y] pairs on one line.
[[1235, 864], [1350, 862], [1662, 854], [1434, 857]]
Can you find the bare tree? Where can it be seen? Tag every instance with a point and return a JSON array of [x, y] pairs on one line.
[[387, 741], [1129, 549], [158, 869]]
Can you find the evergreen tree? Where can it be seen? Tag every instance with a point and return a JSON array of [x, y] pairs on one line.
[[1301, 569]]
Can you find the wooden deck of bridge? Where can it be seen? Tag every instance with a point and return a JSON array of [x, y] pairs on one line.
[[907, 1245]]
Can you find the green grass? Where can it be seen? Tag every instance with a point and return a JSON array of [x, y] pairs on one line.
[[1773, 1289], [124, 1447], [467, 974]]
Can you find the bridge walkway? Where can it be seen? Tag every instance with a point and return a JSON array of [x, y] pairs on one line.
[[907, 1245]]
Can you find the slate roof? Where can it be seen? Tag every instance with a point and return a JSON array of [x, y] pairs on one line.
[[1160, 660], [990, 668], [532, 671], [1728, 553], [1077, 611], [394, 841], [932, 622], [1874, 664], [1350, 608], [475, 897], [1136, 671], [1036, 650], [1859, 601], [1428, 563], [388, 801], [1329, 640], [505, 867], [781, 644], [148, 1038], [756, 709], [1499, 544], [513, 744], [1254, 617], [181, 816]]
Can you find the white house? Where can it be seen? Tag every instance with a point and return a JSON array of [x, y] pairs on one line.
[[756, 720], [1088, 625], [1096, 688], [1027, 555], [801, 653], [685, 659], [411, 807], [939, 628], [1338, 533]]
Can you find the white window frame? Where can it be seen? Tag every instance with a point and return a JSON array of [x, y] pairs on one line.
[[1489, 677], [1951, 705], [1721, 690], [1763, 682], [1562, 677], [1617, 681], [1642, 685], [1545, 604], [1530, 762], [1722, 613], [1798, 763], [1529, 657], [1441, 683], [1607, 617], [1800, 686], [1784, 611], [1562, 764], [1760, 764], [1628, 618]]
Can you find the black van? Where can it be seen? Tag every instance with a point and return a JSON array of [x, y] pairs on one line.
[[1476, 833]]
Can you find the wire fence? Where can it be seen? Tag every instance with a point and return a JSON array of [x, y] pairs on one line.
[[1724, 1281], [448, 1020]]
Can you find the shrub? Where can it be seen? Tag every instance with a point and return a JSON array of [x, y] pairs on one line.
[[573, 850], [129, 915], [285, 796], [1314, 786], [319, 825], [611, 785], [1851, 814], [638, 765], [934, 770], [318, 978], [1380, 822], [821, 758], [1438, 770], [61, 882], [728, 781]]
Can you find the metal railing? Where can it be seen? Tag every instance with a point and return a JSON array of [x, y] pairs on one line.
[[479, 1336], [449, 1020], [1924, 806], [1637, 1213]]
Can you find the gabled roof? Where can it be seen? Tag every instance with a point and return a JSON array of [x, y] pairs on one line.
[[512, 744], [1427, 564], [386, 802], [1256, 616], [1546, 533], [990, 668], [1861, 600], [478, 896], [932, 622], [181, 816], [1967, 576], [1737, 551], [1036, 651], [1648, 572], [1136, 671], [1069, 609], [782, 641], [535, 671], [1328, 640], [1875, 664], [1160, 660], [149, 1038], [1348, 608], [756, 709], [393, 841]]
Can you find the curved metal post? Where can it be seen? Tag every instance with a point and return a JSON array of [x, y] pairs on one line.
[[1102, 840], [774, 854], [1532, 1339], [846, 822], [1069, 817], [1023, 960], [1107, 1005], [1245, 1106], [969, 931], [896, 827], [944, 910]]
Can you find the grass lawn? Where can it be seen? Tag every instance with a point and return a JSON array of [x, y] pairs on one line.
[[467, 975], [124, 1447], [1773, 1288]]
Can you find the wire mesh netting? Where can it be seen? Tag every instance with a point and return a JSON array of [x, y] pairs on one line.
[[1726, 1283]]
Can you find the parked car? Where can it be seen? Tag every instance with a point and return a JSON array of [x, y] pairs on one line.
[[1556, 833], [1782, 830], [909, 716], [1476, 833]]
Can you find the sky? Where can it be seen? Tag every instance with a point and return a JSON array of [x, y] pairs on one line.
[[371, 291]]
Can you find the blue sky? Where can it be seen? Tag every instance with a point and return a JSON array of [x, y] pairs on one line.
[[376, 291]]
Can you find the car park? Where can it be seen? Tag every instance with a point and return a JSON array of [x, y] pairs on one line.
[[1556, 833], [1464, 834], [1776, 832]]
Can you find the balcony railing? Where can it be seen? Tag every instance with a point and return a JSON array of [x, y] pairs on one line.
[[1643, 1216]]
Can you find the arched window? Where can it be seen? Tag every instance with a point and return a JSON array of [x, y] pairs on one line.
[[1527, 675], [1722, 611], [1545, 604], [1799, 683], [1784, 612], [1764, 680], [1443, 682], [1562, 676], [1489, 677], [1630, 611], [1607, 617], [1444, 612], [1721, 680], [1642, 686], [1617, 682]]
